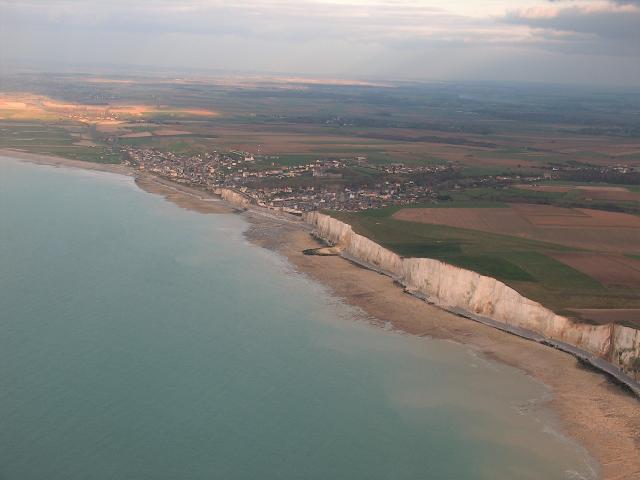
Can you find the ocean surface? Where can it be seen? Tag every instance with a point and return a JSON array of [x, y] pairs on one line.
[[142, 341]]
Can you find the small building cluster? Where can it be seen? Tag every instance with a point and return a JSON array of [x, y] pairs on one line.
[[321, 184]]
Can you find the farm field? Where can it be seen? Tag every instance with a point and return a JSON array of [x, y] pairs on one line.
[[531, 266], [31, 106], [607, 269], [301, 118], [628, 316], [614, 193], [65, 140], [580, 228]]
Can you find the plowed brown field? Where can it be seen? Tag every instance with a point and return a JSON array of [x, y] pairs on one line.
[[587, 191], [629, 316], [614, 270], [581, 228]]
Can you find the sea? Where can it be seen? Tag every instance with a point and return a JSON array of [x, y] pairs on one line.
[[139, 340]]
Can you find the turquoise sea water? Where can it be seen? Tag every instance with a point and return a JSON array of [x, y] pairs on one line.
[[142, 341]]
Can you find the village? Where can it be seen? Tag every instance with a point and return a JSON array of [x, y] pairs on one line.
[[341, 184], [321, 184]]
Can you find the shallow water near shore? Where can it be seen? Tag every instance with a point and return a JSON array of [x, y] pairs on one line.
[[141, 340]]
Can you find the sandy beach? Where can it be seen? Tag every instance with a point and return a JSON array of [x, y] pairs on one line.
[[181, 195], [599, 415]]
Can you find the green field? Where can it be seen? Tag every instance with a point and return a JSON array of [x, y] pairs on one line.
[[497, 196], [54, 140], [522, 264]]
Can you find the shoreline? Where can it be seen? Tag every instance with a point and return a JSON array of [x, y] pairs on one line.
[[615, 374], [594, 412], [182, 195]]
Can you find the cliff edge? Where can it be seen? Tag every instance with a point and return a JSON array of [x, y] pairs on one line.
[[481, 297]]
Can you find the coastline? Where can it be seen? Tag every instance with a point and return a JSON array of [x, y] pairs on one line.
[[592, 410], [182, 195], [597, 414]]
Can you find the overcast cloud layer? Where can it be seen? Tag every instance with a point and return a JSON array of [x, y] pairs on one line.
[[586, 41]]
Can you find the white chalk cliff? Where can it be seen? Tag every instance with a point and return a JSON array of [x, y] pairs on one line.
[[234, 197], [452, 287]]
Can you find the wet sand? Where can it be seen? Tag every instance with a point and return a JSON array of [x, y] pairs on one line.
[[599, 415], [183, 196]]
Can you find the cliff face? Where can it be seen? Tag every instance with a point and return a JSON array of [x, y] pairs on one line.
[[625, 345], [450, 286], [233, 197]]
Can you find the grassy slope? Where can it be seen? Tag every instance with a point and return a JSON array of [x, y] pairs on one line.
[[523, 264]]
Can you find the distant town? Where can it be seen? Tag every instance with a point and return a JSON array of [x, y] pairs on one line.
[[319, 184], [275, 186]]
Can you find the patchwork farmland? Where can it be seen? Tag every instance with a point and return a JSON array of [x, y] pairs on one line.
[[610, 232], [580, 262]]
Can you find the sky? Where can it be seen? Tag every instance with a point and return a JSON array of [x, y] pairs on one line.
[[561, 41]]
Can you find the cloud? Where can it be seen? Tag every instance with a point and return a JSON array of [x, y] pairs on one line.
[[611, 28], [606, 21], [259, 17], [300, 35], [397, 24]]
